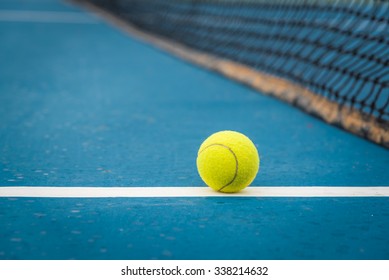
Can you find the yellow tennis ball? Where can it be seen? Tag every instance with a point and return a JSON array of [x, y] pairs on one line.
[[227, 161]]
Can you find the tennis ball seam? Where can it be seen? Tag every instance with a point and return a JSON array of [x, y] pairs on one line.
[[236, 162]]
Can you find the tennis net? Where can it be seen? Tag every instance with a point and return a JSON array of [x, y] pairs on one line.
[[336, 50]]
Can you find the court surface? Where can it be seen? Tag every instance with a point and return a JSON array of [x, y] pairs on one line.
[[85, 105]]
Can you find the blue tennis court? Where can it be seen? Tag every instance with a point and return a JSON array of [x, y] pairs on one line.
[[86, 105]]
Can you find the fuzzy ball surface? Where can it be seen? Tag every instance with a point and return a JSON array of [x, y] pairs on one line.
[[228, 161]]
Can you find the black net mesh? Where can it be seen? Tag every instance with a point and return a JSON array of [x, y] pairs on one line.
[[337, 49]]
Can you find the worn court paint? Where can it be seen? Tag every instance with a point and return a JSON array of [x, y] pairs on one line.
[[85, 105], [194, 228]]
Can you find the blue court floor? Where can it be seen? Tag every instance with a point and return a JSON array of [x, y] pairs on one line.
[[85, 104]]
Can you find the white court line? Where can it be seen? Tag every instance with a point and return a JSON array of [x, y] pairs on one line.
[[93, 192], [50, 17]]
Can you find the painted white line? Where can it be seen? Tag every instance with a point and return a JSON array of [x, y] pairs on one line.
[[50, 17], [71, 192]]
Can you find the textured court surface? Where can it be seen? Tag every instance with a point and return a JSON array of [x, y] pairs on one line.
[[83, 104], [205, 228]]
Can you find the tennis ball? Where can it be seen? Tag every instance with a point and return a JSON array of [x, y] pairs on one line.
[[227, 161]]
